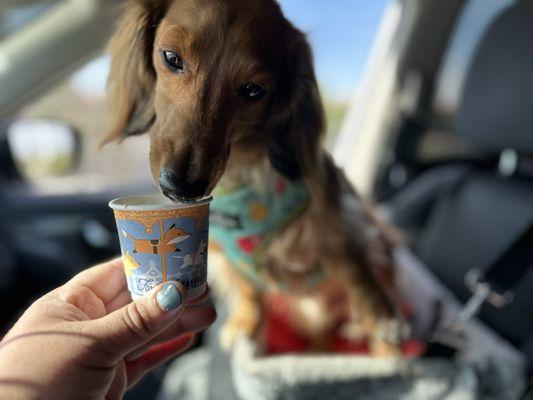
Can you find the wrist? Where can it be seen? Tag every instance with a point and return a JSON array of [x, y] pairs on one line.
[[17, 389], [14, 380]]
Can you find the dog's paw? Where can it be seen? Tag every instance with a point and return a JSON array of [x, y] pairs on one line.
[[383, 349], [227, 338], [389, 338], [393, 330], [352, 331], [235, 327]]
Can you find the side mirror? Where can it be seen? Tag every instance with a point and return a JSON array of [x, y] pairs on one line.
[[43, 148]]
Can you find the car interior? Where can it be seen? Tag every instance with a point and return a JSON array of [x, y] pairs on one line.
[[455, 174], [465, 210]]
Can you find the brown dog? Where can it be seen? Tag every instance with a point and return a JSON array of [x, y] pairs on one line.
[[227, 92]]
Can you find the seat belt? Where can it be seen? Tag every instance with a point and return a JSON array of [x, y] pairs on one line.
[[504, 275], [495, 286]]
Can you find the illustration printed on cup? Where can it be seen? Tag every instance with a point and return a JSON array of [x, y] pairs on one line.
[[161, 248]]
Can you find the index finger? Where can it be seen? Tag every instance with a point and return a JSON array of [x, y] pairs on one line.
[[106, 280]]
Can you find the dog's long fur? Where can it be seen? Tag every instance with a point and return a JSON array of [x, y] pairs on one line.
[[197, 119]]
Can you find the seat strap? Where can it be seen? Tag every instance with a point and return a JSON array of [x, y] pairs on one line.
[[495, 286], [511, 267]]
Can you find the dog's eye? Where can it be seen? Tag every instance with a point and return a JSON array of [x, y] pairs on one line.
[[173, 61], [252, 92]]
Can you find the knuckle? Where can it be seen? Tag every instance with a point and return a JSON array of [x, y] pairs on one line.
[[138, 321]]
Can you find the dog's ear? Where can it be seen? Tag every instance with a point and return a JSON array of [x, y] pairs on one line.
[[132, 77], [298, 119]]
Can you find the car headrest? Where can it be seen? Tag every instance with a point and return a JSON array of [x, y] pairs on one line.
[[496, 108]]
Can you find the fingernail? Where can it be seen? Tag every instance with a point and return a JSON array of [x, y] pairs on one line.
[[168, 297]]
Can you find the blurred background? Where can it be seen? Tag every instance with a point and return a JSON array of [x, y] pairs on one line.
[[429, 113]]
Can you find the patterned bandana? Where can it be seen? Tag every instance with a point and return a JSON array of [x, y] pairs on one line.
[[243, 222]]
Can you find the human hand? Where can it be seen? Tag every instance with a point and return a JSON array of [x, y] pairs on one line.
[[87, 340]]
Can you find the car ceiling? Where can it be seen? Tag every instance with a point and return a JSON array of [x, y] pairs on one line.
[[65, 37]]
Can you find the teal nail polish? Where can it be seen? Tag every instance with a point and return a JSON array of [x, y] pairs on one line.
[[168, 297]]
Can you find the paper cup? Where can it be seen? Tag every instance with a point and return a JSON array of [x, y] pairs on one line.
[[162, 241]]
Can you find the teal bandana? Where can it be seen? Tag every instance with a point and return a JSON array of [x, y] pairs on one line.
[[244, 221]]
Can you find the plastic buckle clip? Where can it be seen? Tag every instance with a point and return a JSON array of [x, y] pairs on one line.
[[453, 335], [481, 293], [474, 281]]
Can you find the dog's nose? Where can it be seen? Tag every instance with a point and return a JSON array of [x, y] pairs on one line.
[[177, 187]]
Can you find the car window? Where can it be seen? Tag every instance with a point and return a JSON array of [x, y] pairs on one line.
[[341, 35], [15, 15], [80, 101], [341, 38]]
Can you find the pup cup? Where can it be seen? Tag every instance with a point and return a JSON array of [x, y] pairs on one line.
[[162, 241]]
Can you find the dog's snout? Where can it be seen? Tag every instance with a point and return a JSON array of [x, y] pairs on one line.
[[178, 187]]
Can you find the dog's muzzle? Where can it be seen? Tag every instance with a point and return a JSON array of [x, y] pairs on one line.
[[178, 188]]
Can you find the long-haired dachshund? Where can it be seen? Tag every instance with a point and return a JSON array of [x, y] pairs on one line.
[[227, 93]]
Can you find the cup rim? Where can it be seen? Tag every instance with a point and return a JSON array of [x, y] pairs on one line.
[[155, 202]]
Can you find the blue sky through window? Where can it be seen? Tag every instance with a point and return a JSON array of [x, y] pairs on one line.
[[342, 33]]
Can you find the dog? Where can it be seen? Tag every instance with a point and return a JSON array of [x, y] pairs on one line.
[[227, 92]]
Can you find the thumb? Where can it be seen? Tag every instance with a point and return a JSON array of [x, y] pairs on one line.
[[133, 325]]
